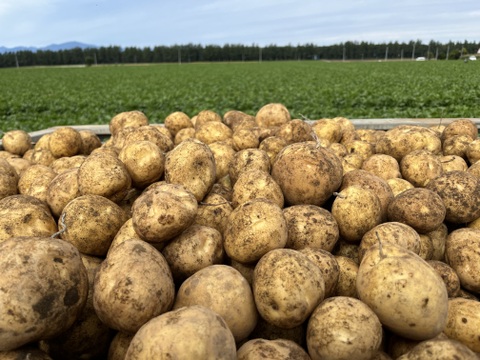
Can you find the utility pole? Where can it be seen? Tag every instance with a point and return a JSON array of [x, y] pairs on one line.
[[436, 54], [344, 52], [413, 52], [386, 54], [179, 56], [16, 61], [401, 55], [259, 54], [448, 51]]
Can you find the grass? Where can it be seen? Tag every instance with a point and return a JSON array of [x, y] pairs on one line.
[[37, 98]]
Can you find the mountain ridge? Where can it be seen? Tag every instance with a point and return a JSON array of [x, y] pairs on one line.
[[52, 47]]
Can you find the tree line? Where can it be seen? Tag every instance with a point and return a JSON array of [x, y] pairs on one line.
[[236, 52]]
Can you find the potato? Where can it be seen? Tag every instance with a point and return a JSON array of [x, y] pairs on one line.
[[328, 129], [224, 290], [460, 193], [149, 133], [34, 181], [473, 151], [356, 210], [204, 335], [419, 167], [163, 211], [453, 163], [177, 121], [407, 294], [65, 141], [272, 115], [19, 164], [348, 270], [456, 145], [420, 208], [205, 116], [463, 255], [318, 170], [119, 346], [392, 232], [91, 222], [272, 146], [448, 275], [52, 294], [253, 229], [295, 131], [475, 170], [343, 328], [360, 147], [338, 149], [460, 127], [17, 142], [327, 264], [192, 165], [24, 215], [245, 139], [127, 119], [235, 118], [403, 139], [214, 211], [104, 175], [347, 249], [248, 159], [144, 161], [310, 226], [287, 286], [125, 295], [280, 349], [194, 249], [61, 190], [441, 349], [398, 185], [426, 247], [463, 322], [345, 124], [42, 143], [90, 141], [8, 179], [439, 238], [66, 163], [351, 162], [254, 184], [184, 134], [25, 352], [212, 131], [383, 166]]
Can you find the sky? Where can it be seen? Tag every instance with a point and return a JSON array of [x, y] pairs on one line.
[[142, 23]]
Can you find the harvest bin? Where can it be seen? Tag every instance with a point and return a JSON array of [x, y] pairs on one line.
[[103, 131]]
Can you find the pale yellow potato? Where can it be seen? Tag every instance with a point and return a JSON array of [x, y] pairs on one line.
[[448, 275], [42, 143], [145, 162], [280, 349], [205, 116], [327, 264], [127, 119], [360, 147], [343, 328], [90, 222], [407, 294], [398, 185], [163, 211], [61, 190], [65, 141], [473, 151], [338, 149], [19, 164], [149, 133], [420, 166], [328, 129], [223, 154], [90, 141], [272, 115], [287, 287], [310, 226], [295, 131], [346, 284], [248, 159], [463, 322], [351, 162], [192, 165], [24, 215], [177, 121], [184, 134], [34, 181], [420, 208], [194, 249], [53, 291], [119, 346], [439, 238], [212, 131], [213, 212], [426, 247], [125, 295], [17, 142], [318, 172], [245, 139], [368, 135], [439, 349], [192, 332], [347, 249], [236, 118], [460, 127], [66, 163], [255, 184], [383, 166], [42, 157], [453, 163], [457, 145], [272, 146], [8, 179], [356, 210]]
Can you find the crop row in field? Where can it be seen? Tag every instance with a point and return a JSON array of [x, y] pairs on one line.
[[36, 98]]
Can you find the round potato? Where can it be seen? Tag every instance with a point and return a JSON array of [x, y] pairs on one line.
[[426, 247], [90, 222], [398, 185], [66, 163], [224, 290], [460, 127], [453, 163], [343, 328], [272, 146], [125, 295], [205, 116], [460, 193], [53, 291], [253, 229], [19, 164], [254, 184], [295, 131], [145, 162], [272, 115], [212, 131], [177, 121], [245, 139], [105, 175], [248, 159], [119, 346], [328, 129], [90, 141], [148, 133], [383, 166], [419, 167], [310, 226], [463, 322], [287, 287], [24, 215], [473, 151], [407, 294], [356, 210], [348, 270], [184, 134], [17, 142], [318, 172], [194, 249], [65, 141], [204, 335], [61, 190], [449, 277], [213, 212], [360, 147], [457, 145], [192, 165], [163, 211], [327, 264], [223, 154], [351, 162], [420, 208], [440, 349], [34, 181], [127, 119], [8, 179], [236, 118], [280, 349]]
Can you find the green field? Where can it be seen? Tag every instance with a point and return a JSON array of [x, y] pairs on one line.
[[37, 98]]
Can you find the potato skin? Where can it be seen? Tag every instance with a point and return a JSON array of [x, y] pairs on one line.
[[280, 349], [203, 335], [254, 184], [61, 190], [406, 293], [463, 322], [126, 296], [343, 328], [65, 141], [17, 142], [8, 179], [271, 115], [53, 291], [439, 349]]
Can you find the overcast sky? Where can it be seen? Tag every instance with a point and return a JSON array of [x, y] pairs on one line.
[[158, 22]]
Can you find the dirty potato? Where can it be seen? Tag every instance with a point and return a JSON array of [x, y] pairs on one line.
[[61, 190], [177, 121], [17, 142], [65, 141], [419, 167], [254, 184], [272, 115], [8, 179], [280, 349], [248, 159], [34, 181]]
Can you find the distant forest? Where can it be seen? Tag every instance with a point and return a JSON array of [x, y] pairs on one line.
[[235, 52]]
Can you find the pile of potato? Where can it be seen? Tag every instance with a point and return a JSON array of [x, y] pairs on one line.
[[241, 237]]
